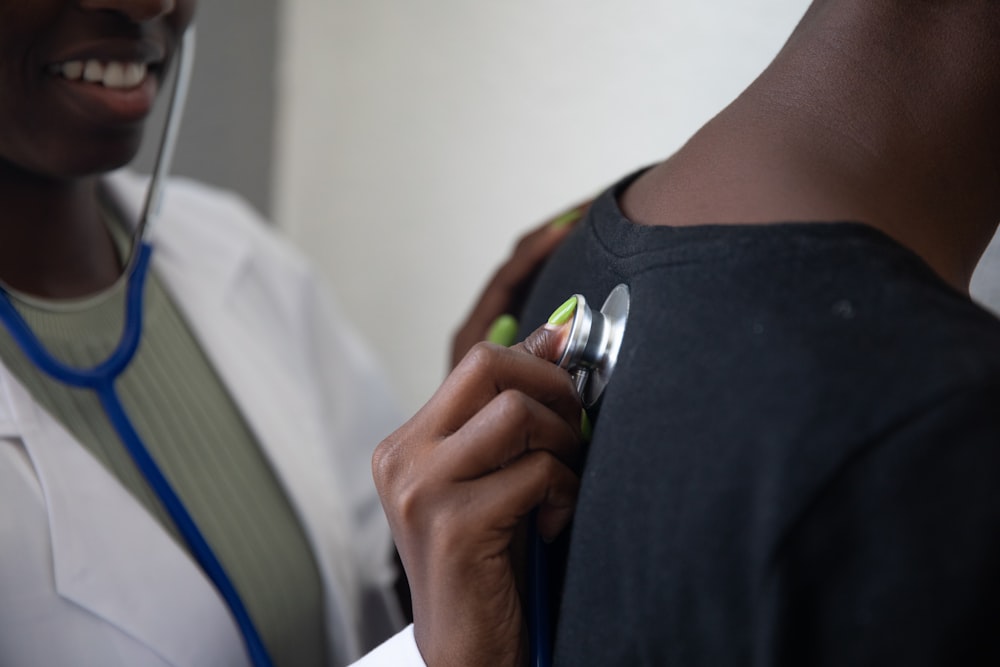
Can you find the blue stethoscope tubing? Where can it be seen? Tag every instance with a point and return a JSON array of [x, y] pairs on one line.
[[539, 632], [101, 378]]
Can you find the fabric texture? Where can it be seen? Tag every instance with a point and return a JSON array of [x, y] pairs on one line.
[[795, 461]]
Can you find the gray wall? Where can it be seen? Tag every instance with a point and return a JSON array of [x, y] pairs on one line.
[[226, 138]]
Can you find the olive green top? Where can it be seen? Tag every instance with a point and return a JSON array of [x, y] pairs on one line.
[[197, 436]]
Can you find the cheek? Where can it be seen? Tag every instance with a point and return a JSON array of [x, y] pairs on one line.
[[39, 137], [24, 22], [15, 114]]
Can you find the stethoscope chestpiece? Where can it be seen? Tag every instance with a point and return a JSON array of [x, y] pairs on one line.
[[594, 341]]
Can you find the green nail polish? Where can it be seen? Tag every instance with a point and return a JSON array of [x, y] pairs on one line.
[[564, 312], [503, 331], [566, 218], [585, 428]]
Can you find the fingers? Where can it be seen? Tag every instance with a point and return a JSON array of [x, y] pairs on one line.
[[534, 480], [503, 331], [506, 288], [498, 404], [489, 370], [429, 510], [500, 438], [546, 342], [455, 544], [529, 252], [540, 395], [510, 426]]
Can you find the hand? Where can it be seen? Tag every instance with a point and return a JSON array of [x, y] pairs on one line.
[[505, 292], [499, 438]]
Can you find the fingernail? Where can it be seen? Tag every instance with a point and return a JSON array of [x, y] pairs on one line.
[[586, 430], [563, 313], [503, 331], [566, 218]]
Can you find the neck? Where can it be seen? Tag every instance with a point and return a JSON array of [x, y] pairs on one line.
[[875, 112], [53, 240]]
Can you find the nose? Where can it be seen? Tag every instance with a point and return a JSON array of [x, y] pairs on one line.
[[136, 10]]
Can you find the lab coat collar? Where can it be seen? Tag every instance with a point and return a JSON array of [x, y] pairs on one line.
[[225, 253], [209, 278], [8, 424], [110, 556], [106, 568]]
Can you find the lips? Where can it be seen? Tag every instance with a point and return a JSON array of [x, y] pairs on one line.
[[106, 92], [108, 81]]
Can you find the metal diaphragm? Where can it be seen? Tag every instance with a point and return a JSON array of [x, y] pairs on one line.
[[594, 341]]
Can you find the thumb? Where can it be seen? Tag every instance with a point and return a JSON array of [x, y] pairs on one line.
[[549, 340]]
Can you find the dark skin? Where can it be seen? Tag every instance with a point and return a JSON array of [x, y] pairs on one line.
[[508, 286], [499, 438], [881, 112], [876, 111], [58, 135]]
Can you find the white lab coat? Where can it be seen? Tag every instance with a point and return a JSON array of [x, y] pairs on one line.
[[87, 577]]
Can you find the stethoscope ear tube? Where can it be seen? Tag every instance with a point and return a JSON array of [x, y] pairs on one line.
[[101, 380], [168, 142]]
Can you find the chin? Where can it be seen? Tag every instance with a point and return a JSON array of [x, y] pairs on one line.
[[100, 156]]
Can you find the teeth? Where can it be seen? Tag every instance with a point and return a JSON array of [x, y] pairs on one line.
[[134, 74], [113, 74], [72, 70], [93, 71]]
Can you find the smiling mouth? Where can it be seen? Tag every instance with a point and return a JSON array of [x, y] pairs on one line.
[[118, 75]]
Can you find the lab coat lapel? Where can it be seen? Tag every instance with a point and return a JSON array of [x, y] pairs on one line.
[[8, 425], [110, 556], [216, 286]]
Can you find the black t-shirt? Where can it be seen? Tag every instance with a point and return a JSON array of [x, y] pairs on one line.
[[797, 460]]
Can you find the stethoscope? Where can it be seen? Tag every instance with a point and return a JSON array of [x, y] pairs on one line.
[[590, 356], [101, 378]]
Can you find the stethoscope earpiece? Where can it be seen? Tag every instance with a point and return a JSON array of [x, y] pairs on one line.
[[594, 341]]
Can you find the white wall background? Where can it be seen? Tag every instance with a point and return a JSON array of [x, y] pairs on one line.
[[417, 139]]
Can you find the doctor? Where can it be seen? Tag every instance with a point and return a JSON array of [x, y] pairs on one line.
[[256, 399]]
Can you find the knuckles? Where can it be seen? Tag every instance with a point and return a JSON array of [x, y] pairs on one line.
[[483, 355], [408, 505], [405, 497], [390, 460], [481, 361], [513, 406], [384, 463]]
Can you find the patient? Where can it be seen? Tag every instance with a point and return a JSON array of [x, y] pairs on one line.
[[796, 460]]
